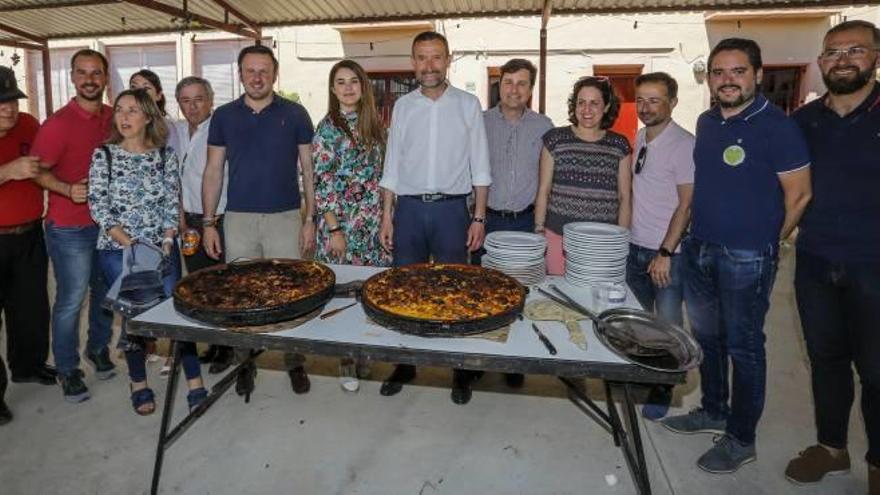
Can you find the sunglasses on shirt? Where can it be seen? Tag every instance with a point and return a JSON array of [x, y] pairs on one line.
[[640, 160]]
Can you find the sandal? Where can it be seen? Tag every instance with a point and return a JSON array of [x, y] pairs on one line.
[[141, 398], [195, 397]]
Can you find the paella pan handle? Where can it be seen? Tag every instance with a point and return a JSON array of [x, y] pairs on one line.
[[567, 302]]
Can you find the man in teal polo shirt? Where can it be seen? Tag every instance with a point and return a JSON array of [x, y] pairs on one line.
[[751, 185], [262, 136]]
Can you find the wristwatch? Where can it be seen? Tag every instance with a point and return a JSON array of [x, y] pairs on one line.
[[478, 219], [664, 252]]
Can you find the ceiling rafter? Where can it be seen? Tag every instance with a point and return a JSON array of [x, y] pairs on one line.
[[248, 21], [23, 34], [191, 16]]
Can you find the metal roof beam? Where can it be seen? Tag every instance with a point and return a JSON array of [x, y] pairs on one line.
[[20, 44], [241, 16], [207, 21], [23, 34]]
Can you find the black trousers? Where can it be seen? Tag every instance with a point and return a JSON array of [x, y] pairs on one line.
[[24, 300], [839, 305], [200, 259]]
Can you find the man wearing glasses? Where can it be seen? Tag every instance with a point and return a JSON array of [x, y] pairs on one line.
[[663, 185], [837, 279]]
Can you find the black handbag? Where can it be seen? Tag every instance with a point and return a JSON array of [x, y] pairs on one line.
[[144, 287]]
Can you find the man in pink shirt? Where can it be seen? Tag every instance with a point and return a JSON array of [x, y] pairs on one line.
[[65, 144], [663, 185]]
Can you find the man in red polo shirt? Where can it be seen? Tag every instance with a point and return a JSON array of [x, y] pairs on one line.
[[65, 145], [23, 262]]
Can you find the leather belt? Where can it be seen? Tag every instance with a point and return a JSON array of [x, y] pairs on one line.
[[20, 228], [510, 213], [432, 197]]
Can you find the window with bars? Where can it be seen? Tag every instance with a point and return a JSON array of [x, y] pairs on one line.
[[160, 58], [388, 87]]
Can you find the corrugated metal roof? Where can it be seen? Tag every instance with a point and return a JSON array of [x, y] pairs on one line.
[[55, 19]]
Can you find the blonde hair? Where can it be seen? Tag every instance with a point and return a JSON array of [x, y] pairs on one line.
[[156, 130]]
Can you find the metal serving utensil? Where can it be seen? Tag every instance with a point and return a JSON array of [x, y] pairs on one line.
[[336, 311]]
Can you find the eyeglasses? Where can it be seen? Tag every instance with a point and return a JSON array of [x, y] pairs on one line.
[[640, 160], [853, 52]]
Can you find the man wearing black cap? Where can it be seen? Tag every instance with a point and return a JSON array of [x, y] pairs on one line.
[[23, 261]]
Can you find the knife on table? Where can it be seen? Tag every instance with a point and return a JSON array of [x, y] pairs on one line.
[[544, 339], [332, 312]]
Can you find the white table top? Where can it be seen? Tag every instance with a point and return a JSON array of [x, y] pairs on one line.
[[352, 327]]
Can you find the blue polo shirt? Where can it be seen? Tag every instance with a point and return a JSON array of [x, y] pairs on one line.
[[842, 222], [738, 200], [262, 152]]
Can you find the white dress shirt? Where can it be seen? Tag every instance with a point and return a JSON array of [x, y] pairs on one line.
[[436, 146], [193, 156]]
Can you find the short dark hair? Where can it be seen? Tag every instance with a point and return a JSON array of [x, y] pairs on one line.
[[660, 78], [518, 64], [603, 84], [88, 52], [257, 50], [429, 36], [747, 46], [856, 24]]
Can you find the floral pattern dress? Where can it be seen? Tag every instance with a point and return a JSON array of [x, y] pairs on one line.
[[347, 184]]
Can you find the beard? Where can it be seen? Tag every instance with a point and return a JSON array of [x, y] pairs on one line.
[[83, 92], [744, 96], [848, 85]]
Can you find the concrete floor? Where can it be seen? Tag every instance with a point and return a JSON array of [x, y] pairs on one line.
[[532, 441]]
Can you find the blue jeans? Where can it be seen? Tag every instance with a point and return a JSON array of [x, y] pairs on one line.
[[839, 305], [728, 293], [110, 261], [665, 301], [74, 261]]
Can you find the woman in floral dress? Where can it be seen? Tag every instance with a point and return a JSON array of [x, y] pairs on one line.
[[347, 151]]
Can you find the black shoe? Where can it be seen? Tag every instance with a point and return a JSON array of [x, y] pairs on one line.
[[44, 375], [104, 367], [244, 382], [514, 380], [299, 380], [5, 413], [403, 373], [209, 355], [461, 386], [75, 390], [223, 359]]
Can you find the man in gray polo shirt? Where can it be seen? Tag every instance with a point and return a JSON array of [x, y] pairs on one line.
[[514, 133]]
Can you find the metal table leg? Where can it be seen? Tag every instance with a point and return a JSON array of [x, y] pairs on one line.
[[625, 434], [166, 415], [166, 438]]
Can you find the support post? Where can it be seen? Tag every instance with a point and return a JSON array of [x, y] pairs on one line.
[[47, 79], [542, 69]]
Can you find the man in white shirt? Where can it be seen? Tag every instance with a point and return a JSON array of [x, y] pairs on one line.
[[196, 100], [437, 155]]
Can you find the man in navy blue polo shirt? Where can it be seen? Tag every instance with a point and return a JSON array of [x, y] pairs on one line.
[[837, 279], [751, 185], [262, 136]]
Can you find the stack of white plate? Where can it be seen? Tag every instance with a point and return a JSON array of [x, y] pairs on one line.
[[518, 254], [595, 253]]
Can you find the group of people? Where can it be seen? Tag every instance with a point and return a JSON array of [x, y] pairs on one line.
[[706, 212]]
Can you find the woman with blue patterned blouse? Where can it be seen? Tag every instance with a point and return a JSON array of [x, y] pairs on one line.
[[134, 196], [347, 151]]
